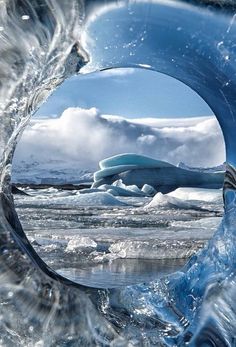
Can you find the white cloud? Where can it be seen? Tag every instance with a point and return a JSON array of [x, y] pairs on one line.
[[82, 137]]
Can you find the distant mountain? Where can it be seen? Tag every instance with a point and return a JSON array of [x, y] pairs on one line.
[[202, 169], [50, 172]]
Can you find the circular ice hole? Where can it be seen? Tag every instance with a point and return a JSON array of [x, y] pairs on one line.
[[101, 238]]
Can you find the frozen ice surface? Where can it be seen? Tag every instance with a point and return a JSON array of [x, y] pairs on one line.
[[170, 201], [77, 244], [68, 234], [97, 198], [201, 194], [49, 172]]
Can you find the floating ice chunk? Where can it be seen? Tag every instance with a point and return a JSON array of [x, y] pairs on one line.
[[98, 199], [148, 190], [150, 249], [80, 243], [133, 188], [119, 184], [113, 192], [203, 194], [166, 200], [120, 191]]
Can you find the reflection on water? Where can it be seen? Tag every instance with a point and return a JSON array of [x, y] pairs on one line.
[[122, 272]]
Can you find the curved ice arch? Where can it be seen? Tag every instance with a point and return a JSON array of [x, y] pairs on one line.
[[190, 307], [162, 176], [124, 162], [177, 40], [132, 159]]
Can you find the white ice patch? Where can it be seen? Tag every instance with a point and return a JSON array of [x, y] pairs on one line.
[[148, 190], [98, 199], [132, 188], [154, 249], [76, 244], [165, 200], [202, 194], [85, 200]]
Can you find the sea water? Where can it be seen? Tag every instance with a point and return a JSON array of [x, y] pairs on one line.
[[110, 246]]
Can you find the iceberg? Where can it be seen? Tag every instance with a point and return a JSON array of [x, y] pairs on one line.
[[171, 202], [78, 244], [132, 188], [195, 306], [148, 190], [138, 170], [201, 194], [121, 191]]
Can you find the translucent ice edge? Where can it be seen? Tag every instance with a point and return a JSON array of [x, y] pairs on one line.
[[194, 307]]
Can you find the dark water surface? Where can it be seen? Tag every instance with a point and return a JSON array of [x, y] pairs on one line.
[[122, 272]]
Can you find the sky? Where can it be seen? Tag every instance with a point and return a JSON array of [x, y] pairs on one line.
[[127, 92], [130, 110], [80, 138], [96, 115]]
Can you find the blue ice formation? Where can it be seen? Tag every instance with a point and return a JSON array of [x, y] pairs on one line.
[[148, 190], [121, 191], [139, 170], [192, 41]]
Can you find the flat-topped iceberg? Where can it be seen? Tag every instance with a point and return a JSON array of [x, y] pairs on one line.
[[138, 170], [126, 161]]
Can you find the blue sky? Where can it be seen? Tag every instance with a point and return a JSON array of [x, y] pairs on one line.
[[129, 92]]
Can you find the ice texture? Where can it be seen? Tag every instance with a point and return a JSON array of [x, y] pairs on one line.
[[194, 307], [98, 198], [139, 170], [76, 244], [126, 161], [169, 201], [121, 190], [201, 194], [148, 190]]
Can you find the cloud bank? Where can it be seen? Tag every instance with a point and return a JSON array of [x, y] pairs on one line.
[[83, 137]]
